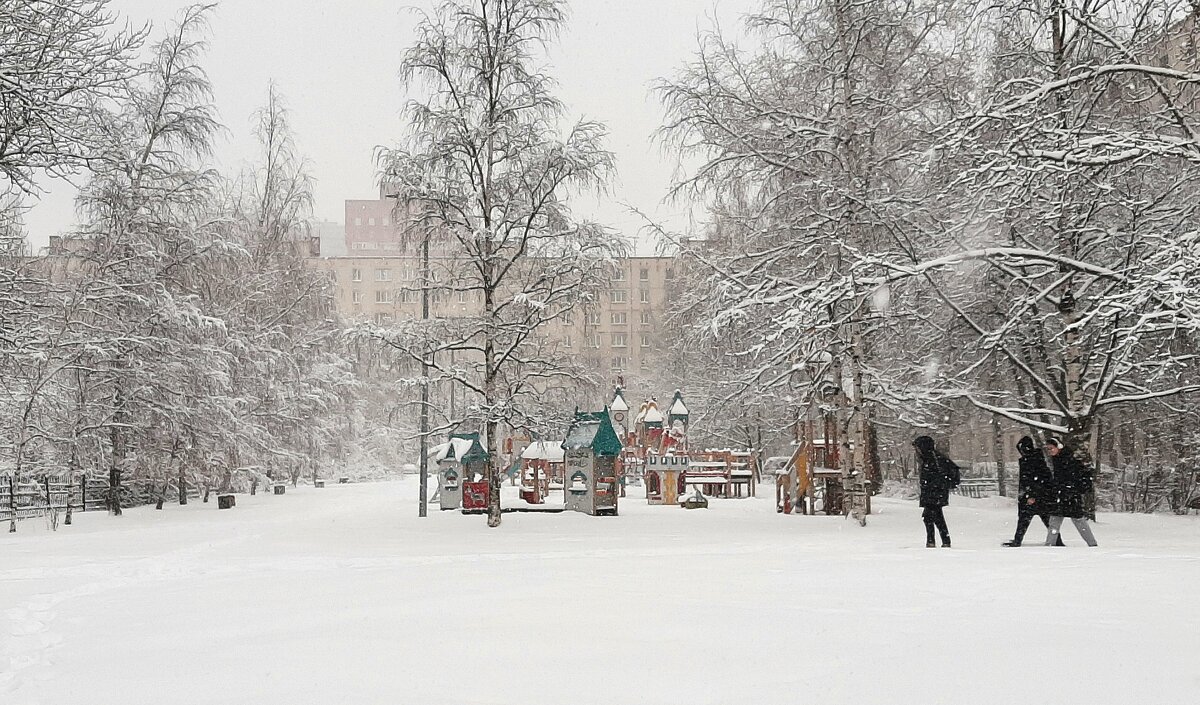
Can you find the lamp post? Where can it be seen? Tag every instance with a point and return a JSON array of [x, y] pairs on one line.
[[423, 423]]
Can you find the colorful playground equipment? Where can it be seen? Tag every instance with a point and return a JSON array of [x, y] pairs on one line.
[[541, 470], [459, 460], [591, 453]]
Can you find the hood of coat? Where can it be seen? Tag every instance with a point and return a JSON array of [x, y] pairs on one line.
[[1026, 447], [924, 445]]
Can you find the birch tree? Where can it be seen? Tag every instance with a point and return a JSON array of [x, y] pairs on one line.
[[1076, 174], [807, 149], [485, 166], [64, 64]]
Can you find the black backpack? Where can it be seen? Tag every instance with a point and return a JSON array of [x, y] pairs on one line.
[[953, 474]]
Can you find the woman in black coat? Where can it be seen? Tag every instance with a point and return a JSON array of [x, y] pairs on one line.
[[938, 476], [1072, 481], [1036, 494]]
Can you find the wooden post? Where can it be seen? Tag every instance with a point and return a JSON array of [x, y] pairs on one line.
[[67, 520], [12, 504]]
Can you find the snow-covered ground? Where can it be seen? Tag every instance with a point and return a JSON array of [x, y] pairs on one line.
[[342, 595]]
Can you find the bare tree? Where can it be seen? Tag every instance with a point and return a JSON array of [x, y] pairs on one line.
[[63, 62], [485, 166], [808, 149]]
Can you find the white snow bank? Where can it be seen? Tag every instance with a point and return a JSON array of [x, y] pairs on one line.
[[343, 595]]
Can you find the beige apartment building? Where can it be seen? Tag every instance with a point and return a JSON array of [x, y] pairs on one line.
[[620, 335]]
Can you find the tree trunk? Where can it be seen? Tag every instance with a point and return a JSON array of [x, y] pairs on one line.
[[998, 456], [493, 477], [114, 471]]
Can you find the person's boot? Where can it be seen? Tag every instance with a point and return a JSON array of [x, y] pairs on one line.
[[930, 544], [945, 542], [1012, 544]]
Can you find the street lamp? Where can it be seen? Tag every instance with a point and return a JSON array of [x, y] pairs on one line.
[[423, 429]]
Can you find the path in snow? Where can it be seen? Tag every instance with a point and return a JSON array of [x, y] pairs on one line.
[[343, 595]]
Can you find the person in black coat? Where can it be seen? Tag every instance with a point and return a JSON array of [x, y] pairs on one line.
[[1036, 493], [938, 476], [1072, 481]]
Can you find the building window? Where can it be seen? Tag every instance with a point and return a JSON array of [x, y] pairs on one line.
[[567, 319], [382, 318], [383, 275], [462, 296], [644, 295], [619, 275], [408, 273], [644, 274], [356, 273], [595, 340], [408, 296], [356, 297], [618, 363], [358, 221], [617, 296], [370, 221], [566, 341], [383, 296], [619, 318], [645, 318], [593, 319], [670, 273], [645, 340], [619, 340]]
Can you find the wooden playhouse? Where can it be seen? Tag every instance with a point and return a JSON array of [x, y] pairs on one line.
[[459, 460], [591, 451], [541, 469], [664, 478]]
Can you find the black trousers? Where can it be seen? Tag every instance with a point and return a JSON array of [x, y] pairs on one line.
[[1025, 515], [932, 516]]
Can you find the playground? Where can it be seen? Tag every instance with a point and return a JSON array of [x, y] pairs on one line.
[[343, 594]]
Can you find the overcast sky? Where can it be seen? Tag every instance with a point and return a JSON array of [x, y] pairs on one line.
[[336, 64]]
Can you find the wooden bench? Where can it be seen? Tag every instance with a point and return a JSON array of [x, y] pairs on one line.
[[978, 487]]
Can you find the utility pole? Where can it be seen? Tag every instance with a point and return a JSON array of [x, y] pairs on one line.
[[424, 423]]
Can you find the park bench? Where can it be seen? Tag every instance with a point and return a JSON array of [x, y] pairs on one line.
[[978, 487]]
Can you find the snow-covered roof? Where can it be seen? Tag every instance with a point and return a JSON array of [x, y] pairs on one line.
[[652, 415], [456, 448], [677, 407], [453, 449], [581, 434], [543, 450], [618, 402]]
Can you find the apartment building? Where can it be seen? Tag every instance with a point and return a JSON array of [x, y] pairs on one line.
[[618, 333]]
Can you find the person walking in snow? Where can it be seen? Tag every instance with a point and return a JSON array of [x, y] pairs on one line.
[[938, 476], [1036, 493], [1072, 480]]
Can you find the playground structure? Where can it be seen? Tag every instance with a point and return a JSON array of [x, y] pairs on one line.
[[664, 478], [657, 452], [542, 469], [459, 460], [591, 455], [812, 480]]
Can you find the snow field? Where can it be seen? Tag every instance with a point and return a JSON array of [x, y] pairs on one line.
[[343, 595]]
